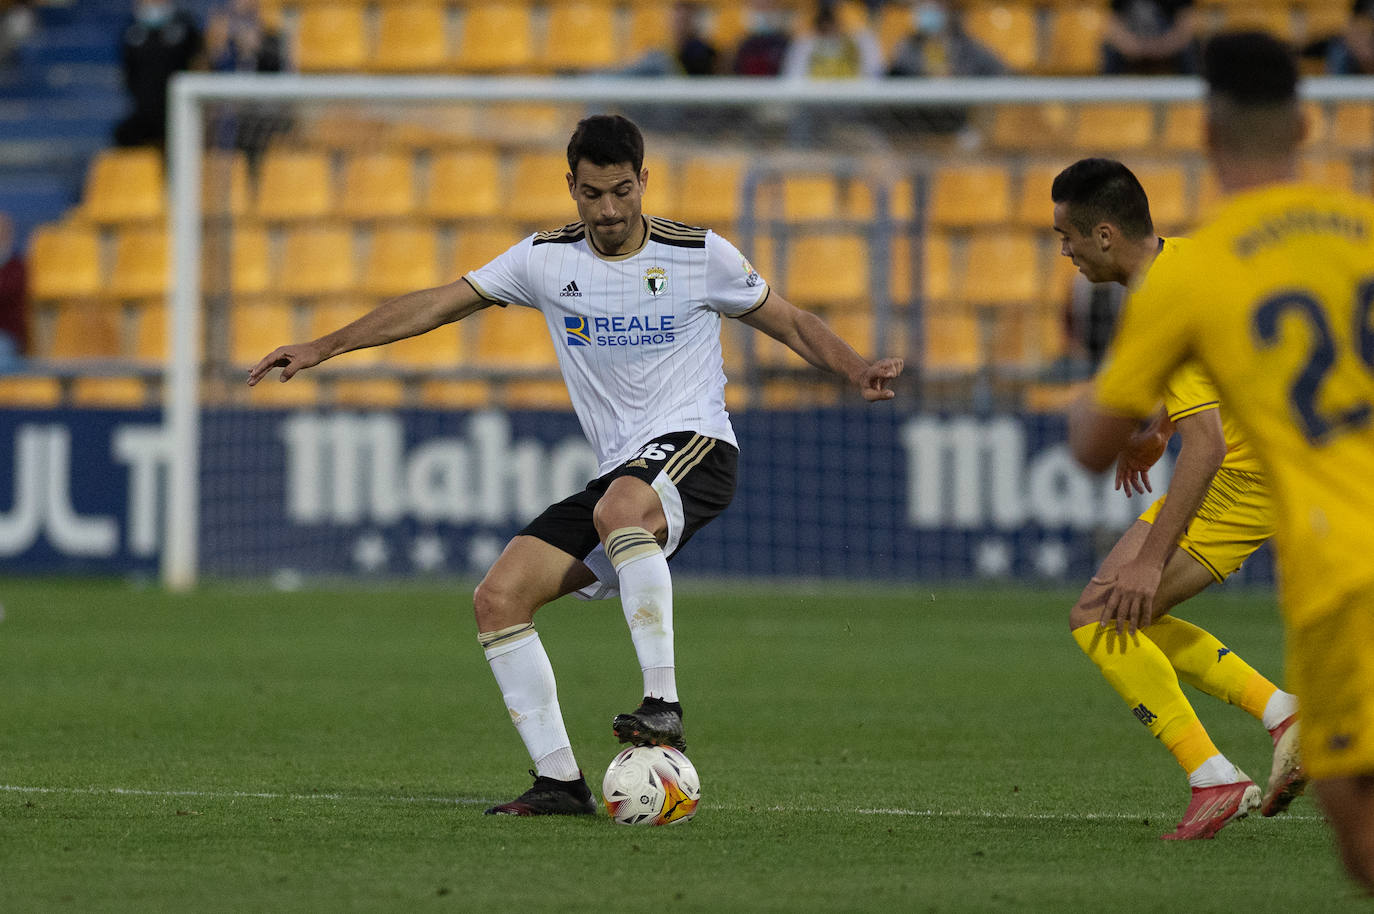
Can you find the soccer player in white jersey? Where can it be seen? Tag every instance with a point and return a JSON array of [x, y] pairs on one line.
[[634, 305]]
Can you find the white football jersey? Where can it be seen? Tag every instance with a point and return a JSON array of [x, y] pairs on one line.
[[638, 334]]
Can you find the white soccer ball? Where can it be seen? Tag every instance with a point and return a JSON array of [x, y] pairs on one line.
[[651, 785]]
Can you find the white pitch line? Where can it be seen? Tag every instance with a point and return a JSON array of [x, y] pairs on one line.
[[479, 801]]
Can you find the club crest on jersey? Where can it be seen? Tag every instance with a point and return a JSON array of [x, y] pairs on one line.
[[656, 280], [577, 331]]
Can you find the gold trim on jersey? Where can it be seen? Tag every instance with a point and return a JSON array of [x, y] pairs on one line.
[[482, 294], [1194, 410], [628, 254], [757, 305], [676, 233], [685, 460], [573, 231]]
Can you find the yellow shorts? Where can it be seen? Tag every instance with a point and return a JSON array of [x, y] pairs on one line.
[[1235, 518], [1331, 669]]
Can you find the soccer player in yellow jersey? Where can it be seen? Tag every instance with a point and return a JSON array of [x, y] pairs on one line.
[[1217, 513], [1275, 297]]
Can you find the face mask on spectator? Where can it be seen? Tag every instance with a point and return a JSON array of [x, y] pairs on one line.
[[154, 14], [929, 18]]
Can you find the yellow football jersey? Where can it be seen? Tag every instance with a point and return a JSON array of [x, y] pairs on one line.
[[1275, 298], [1189, 391]]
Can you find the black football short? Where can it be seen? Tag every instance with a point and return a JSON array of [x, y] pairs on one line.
[[698, 481]]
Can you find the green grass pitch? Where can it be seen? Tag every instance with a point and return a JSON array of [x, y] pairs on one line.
[[861, 749]]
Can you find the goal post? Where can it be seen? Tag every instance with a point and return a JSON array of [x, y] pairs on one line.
[[873, 211]]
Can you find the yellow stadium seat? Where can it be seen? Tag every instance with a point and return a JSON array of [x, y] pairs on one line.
[[1044, 126], [1277, 20], [1001, 268], [140, 263], [1183, 127], [329, 314], [150, 330], [965, 196], [1166, 186], [894, 24], [547, 395], [298, 393], [828, 269], [1075, 40], [953, 343], [1324, 19], [257, 327], [1352, 126], [513, 337], [224, 184], [1114, 126], [86, 330], [1026, 338], [477, 247], [1034, 208], [448, 393], [331, 38], [727, 24], [440, 349], [496, 37], [250, 266], [402, 258], [317, 260], [464, 184], [1008, 29], [368, 393], [650, 29], [936, 267], [539, 190], [856, 329], [111, 392], [64, 260], [294, 184], [581, 35], [30, 391], [412, 37], [378, 185], [1318, 129], [1327, 171], [124, 185], [809, 197], [709, 189]]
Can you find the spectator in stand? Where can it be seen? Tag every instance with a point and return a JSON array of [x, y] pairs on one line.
[[14, 299], [691, 55], [17, 25], [1151, 37], [161, 40], [829, 52], [761, 51], [938, 46], [1352, 53], [236, 39]]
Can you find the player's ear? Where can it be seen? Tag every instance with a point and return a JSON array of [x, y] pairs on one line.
[[572, 185], [1105, 233], [643, 179]]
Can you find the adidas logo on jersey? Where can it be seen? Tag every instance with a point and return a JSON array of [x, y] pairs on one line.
[[570, 291]]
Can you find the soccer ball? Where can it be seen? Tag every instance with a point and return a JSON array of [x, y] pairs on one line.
[[651, 785]]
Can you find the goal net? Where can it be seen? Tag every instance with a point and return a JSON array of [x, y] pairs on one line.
[[912, 216]]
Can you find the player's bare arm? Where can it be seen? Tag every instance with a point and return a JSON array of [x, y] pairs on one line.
[[395, 319], [1097, 437], [1130, 597], [809, 337], [1142, 452]]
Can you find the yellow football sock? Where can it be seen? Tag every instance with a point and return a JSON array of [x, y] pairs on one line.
[[1141, 674], [1205, 663]]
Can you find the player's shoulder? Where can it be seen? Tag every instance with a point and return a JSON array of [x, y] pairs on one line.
[[677, 234], [571, 233]]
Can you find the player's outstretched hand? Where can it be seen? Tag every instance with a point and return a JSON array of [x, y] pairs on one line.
[[873, 382], [290, 359], [1130, 596]]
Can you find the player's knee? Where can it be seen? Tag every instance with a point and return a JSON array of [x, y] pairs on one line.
[[496, 606]]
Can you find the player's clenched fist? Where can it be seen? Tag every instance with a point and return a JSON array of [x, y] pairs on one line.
[[873, 382]]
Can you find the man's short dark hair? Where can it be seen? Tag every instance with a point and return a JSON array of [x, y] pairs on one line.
[[606, 139], [1103, 190], [1250, 68]]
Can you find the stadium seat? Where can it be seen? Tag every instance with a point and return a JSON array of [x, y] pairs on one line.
[[140, 262], [518, 123], [496, 37], [1008, 29], [727, 24], [1074, 46], [581, 35], [952, 344], [532, 394], [294, 184], [367, 393], [464, 184], [936, 265], [124, 185], [1045, 126], [86, 330], [447, 393], [650, 29], [250, 265], [1323, 19], [378, 185], [317, 260], [513, 337], [1182, 130], [331, 37], [256, 326], [111, 392], [965, 196], [1327, 171], [709, 189], [1001, 268], [1171, 206], [1276, 19], [401, 258], [412, 37], [329, 314], [224, 187], [1115, 126], [1318, 126], [441, 349], [808, 197], [660, 198], [539, 191], [894, 24], [29, 391], [64, 259], [477, 247], [1352, 126], [298, 393], [856, 328], [1026, 338], [1034, 208], [149, 319], [828, 269]]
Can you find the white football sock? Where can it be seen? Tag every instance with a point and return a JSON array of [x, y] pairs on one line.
[[646, 597], [525, 676], [1214, 772], [1280, 707]]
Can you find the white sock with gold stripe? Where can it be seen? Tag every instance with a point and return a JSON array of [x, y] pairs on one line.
[[522, 670], [646, 596]]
